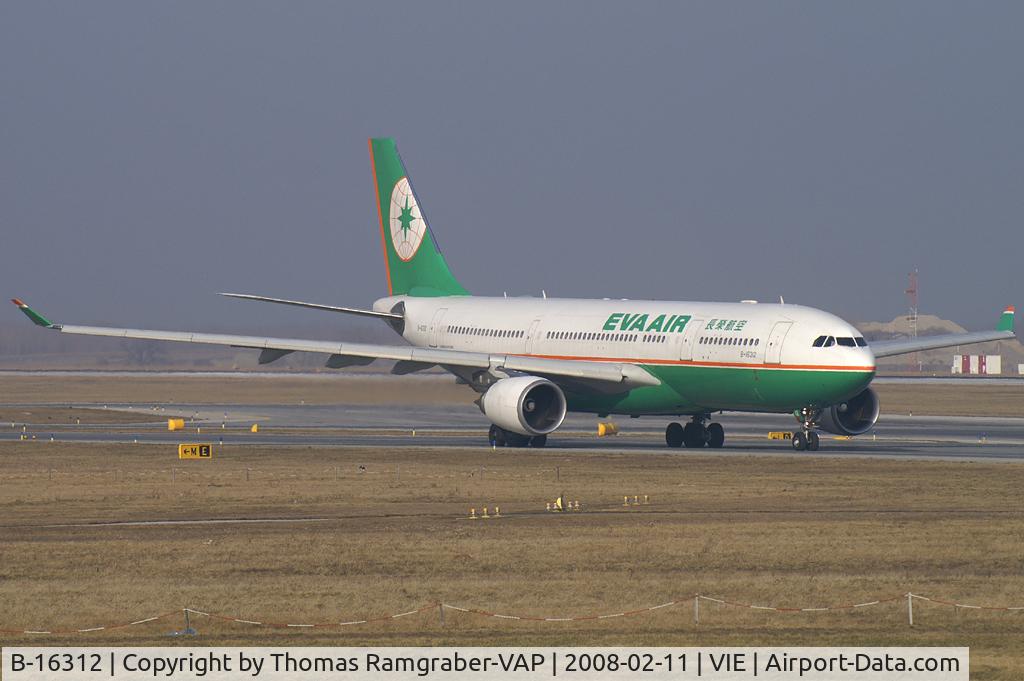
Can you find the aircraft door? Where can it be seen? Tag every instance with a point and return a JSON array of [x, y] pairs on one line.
[[693, 328], [436, 328], [531, 336], [773, 352]]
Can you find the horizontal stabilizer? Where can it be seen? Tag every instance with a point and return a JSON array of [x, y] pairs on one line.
[[317, 306]]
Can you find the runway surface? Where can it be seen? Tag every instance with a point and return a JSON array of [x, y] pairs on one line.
[[463, 426]]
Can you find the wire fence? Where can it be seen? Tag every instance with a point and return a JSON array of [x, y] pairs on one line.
[[694, 602]]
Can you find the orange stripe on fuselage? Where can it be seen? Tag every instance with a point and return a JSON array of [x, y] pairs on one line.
[[380, 215], [690, 362]]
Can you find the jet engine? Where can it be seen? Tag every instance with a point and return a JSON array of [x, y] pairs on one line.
[[527, 405], [852, 417]]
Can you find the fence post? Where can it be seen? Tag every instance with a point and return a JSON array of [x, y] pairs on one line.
[[188, 630], [910, 608], [696, 608]]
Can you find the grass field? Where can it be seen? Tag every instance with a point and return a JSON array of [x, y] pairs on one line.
[[265, 389], [390, 533], [782, 531], [943, 399], [42, 416]]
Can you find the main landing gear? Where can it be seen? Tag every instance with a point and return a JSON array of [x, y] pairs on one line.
[[499, 437], [807, 439], [695, 434]]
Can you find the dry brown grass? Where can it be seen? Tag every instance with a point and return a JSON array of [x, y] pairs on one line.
[[272, 389], [39, 417], [998, 398], [781, 531]]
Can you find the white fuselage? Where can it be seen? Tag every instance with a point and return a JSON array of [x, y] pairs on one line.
[[635, 331]]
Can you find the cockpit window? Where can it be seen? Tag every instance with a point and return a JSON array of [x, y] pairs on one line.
[[819, 341], [830, 341], [846, 342], [861, 343]]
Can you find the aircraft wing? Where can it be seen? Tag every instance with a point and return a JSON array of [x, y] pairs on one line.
[[1003, 331], [408, 358]]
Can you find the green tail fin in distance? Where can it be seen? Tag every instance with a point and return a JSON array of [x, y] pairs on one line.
[[413, 261], [1006, 321]]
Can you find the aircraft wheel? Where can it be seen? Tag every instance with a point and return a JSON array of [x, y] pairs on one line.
[[813, 441], [799, 441], [694, 435], [674, 434], [538, 441], [716, 435], [516, 440]]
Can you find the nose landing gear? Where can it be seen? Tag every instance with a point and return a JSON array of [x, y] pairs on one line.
[[807, 439], [695, 434]]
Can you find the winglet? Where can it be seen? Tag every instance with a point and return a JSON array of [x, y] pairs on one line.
[[37, 319], [1006, 321]]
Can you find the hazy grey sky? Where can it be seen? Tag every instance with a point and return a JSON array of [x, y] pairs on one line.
[[152, 154]]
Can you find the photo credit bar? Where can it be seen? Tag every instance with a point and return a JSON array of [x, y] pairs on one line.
[[477, 664]]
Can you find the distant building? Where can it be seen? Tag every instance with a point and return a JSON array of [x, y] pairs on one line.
[[989, 365]]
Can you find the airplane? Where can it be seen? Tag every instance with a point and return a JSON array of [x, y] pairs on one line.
[[533, 360]]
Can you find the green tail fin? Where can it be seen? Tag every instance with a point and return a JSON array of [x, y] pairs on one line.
[[414, 263], [1006, 321]]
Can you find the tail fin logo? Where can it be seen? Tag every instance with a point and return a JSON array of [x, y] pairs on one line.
[[407, 225]]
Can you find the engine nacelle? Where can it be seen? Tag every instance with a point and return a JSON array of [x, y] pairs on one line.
[[527, 405], [852, 417]]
